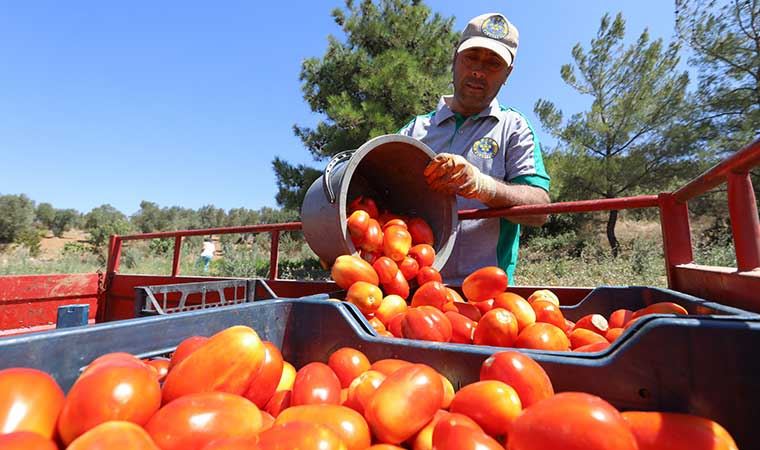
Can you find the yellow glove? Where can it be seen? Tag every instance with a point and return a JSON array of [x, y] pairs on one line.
[[453, 174]]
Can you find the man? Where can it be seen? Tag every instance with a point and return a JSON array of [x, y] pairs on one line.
[[487, 154]]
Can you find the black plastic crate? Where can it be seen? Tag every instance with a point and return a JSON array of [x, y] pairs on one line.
[[701, 365]]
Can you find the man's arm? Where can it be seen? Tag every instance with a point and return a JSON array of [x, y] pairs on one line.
[[508, 194]]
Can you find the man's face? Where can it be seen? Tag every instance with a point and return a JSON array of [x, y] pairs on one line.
[[478, 75]]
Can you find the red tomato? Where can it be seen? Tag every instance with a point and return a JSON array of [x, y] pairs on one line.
[[595, 347], [161, 365], [194, 420], [349, 269], [362, 388], [571, 421], [593, 322], [660, 308], [484, 306], [388, 366], [453, 296], [492, 404], [461, 437], [357, 225], [409, 267], [112, 435], [278, 403], [25, 440], [386, 269], [426, 323], [370, 257], [316, 383], [387, 216], [462, 327], [404, 403], [264, 384], [484, 284], [427, 274], [114, 359], [185, 348], [468, 310], [543, 336], [399, 286], [424, 254], [420, 231], [613, 333], [234, 443], [366, 204], [423, 440], [394, 325], [366, 297], [518, 306], [548, 312], [396, 242], [348, 363], [672, 431], [619, 318], [300, 436], [109, 392], [545, 295], [226, 363], [580, 337], [267, 420], [348, 424], [30, 400], [385, 447], [432, 294], [522, 373], [288, 377], [389, 307], [498, 327], [393, 222]]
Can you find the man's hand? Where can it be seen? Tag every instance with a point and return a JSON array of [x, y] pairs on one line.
[[452, 174]]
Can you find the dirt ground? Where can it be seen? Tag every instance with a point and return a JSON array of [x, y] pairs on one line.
[[51, 246]]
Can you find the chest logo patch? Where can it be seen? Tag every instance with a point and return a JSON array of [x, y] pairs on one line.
[[485, 148]]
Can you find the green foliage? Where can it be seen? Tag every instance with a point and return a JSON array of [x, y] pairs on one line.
[[64, 220], [17, 214], [393, 64], [101, 223], [45, 214]]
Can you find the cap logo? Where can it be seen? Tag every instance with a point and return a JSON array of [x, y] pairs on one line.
[[495, 27], [485, 148]]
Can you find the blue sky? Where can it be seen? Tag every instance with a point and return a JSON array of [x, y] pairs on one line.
[[184, 103]]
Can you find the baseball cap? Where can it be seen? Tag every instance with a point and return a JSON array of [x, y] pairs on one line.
[[492, 31]]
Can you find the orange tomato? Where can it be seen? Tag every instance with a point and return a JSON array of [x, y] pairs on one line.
[[660, 308], [580, 337], [394, 325], [590, 348], [366, 296], [161, 365], [349, 269], [427, 274], [185, 348], [30, 400], [548, 312], [357, 225], [373, 238], [362, 388], [393, 222], [279, 402], [423, 440], [288, 377], [432, 294], [386, 269], [672, 431], [396, 242], [370, 257], [109, 392], [366, 204], [112, 435], [316, 383], [613, 333], [545, 295], [385, 447], [227, 362], [409, 267], [404, 403], [234, 443], [301, 436], [594, 322], [497, 327], [389, 307], [518, 306], [25, 440], [543, 336], [484, 306], [619, 318], [389, 365], [194, 420], [468, 310], [522, 373], [426, 323], [377, 325], [460, 437], [494, 405], [387, 216], [399, 286], [264, 384], [120, 359], [462, 327], [348, 424], [485, 283], [571, 421], [267, 420], [424, 254], [348, 363], [453, 296], [420, 231], [448, 392]]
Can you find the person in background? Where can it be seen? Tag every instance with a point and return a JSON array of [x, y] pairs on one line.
[[487, 154], [207, 253]]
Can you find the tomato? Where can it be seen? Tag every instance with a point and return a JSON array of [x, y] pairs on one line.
[[316, 383], [185, 348], [300, 436], [569, 325], [366, 204], [377, 325], [462, 327], [362, 388], [348, 363], [264, 383], [518, 306], [543, 336], [385, 447], [590, 348], [497, 327], [357, 225], [432, 294], [453, 296], [521, 372], [161, 365], [594, 322], [484, 284], [121, 359], [581, 336], [468, 310], [386, 269], [404, 403], [30, 400], [349, 269], [619, 318], [427, 274], [571, 421], [548, 312], [426, 323], [420, 231], [389, 307], [370, 257], [423, 440], [545, 295], [447, 436], [389, 365], [194, 420], [409, 267], [613, 333], [114, 434], [348, 424], [387, 216], [24, 440], [109, 392], [233, 443], [288, 377], [373, 238], [494, 405], [226, 363], [660, 308], [484, 306], [394, 325], [267, 420], [424, 254], [399, 286], [279, 402], [366, 296], [672, 431], [396, 242]]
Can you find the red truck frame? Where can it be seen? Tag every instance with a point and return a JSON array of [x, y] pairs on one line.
[[30, 302]]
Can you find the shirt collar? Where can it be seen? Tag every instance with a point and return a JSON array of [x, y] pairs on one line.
[[443, 112]]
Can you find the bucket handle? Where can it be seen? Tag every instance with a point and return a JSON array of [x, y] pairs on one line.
[[337, 159]]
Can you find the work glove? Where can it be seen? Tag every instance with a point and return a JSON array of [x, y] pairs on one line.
[[453, 174]]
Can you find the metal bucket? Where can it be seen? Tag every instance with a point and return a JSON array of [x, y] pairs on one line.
[[388, 169]]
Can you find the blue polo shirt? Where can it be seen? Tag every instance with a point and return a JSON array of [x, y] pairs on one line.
[[501, 143]]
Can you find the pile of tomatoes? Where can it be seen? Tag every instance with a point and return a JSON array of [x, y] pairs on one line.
[[233, 391]]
